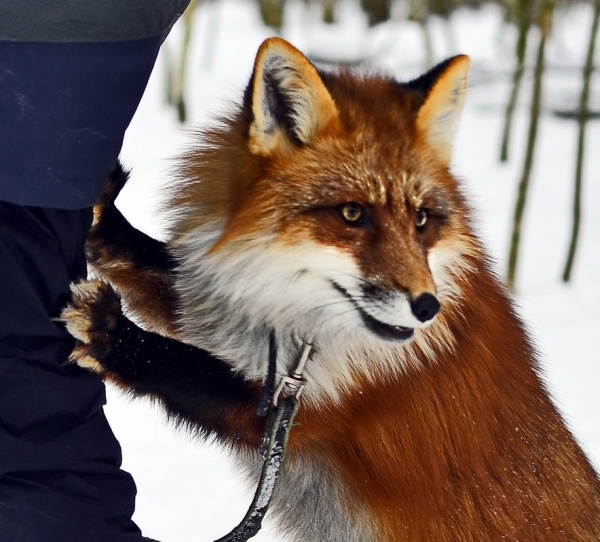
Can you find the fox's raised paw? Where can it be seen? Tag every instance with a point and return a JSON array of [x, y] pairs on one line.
[[101, 243], [91, 318]]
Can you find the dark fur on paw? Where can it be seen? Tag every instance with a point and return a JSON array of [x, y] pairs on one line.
[[114, 246], [103, 248], [91, 319], [107, 219], [114, 184]]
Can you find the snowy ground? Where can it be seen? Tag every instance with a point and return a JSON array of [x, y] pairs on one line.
[[188, 491]]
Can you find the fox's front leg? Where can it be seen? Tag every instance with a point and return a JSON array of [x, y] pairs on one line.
[[194, 386], [138, 266]]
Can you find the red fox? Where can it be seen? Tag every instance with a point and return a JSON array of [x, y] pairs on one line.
[[323, 208]]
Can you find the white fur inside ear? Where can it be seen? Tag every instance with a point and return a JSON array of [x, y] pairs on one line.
[[289, 101], [438, 117]]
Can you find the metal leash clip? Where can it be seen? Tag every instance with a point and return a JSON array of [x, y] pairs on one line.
[[294, 383], [279, 424]]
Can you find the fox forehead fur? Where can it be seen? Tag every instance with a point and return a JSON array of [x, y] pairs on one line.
[[324, 204]]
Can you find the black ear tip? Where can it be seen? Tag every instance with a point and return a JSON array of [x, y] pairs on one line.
[[424, 83]]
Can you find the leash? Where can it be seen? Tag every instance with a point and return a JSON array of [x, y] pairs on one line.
[[281, 405]]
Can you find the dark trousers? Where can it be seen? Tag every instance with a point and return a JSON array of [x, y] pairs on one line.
[[71, 77], [59, 460]]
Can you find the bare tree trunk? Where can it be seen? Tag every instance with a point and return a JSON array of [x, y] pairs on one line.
[[176, 69], [523, 16], [188, 17], [418, 11], [271, 12], [329, 11], [582, 121], [545, 26], [378, 11]]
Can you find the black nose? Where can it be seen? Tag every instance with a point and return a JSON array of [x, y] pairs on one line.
[[425, 307]]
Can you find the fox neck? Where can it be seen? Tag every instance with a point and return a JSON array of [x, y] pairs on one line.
[[417, 442], [469, 443]]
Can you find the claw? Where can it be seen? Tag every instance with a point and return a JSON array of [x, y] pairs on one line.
[[90, 318]]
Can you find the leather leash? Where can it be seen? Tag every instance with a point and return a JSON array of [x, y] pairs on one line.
[[280, 405]]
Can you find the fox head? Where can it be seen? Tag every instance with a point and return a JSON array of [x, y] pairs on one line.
[[324, 209]]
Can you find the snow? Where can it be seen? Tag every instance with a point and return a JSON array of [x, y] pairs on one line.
[[191, 491]]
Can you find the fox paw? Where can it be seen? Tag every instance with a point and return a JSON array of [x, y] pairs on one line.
[[91, 318], [102, 247], [104, 236]]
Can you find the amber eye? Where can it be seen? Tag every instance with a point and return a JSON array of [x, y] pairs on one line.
[[421, 219], [352, 213]]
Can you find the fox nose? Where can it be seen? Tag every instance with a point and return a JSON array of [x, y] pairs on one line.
[[425, 307]]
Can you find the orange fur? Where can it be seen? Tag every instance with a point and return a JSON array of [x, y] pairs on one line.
[[466, 446], [452, 437]]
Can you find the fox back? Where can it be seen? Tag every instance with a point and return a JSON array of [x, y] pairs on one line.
[[324, 209]]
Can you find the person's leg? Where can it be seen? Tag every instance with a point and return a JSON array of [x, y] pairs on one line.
[[59, 461], [73, 74]]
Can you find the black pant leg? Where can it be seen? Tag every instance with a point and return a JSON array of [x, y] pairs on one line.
[[60, 479]]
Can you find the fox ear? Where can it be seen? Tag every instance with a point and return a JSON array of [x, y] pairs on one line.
[[288, 99], [438, 115]]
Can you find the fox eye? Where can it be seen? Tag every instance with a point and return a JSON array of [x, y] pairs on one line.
[[421, 218], [352, 213]]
